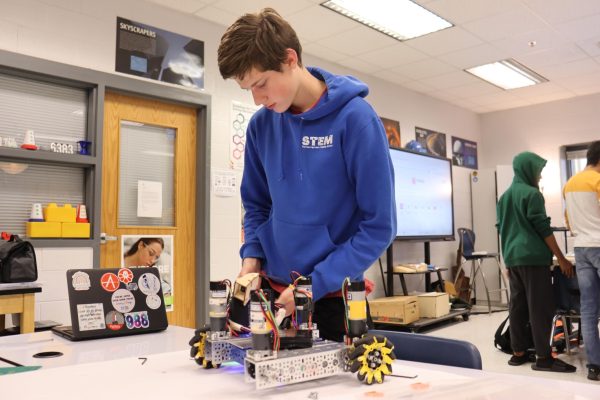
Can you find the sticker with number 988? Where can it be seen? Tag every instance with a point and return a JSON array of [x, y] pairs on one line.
[[137, 320]]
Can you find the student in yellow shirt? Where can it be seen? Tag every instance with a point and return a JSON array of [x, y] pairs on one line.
[[582, 196]]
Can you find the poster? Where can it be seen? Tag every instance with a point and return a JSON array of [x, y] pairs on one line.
[[225, 183], [151, 251], [240, 116], [392, 131], [464, 153], [432, 141], [153, 53]]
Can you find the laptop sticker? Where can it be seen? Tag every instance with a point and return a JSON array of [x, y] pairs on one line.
[[115, 320], [132, 286], [153, 301], [90, 316], [149, 284], [125, 275], [80, 281], [122, 300], [137, 320], [109, 282]]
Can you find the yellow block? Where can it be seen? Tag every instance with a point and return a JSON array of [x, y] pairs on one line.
[[76, 230], [54, 213], [43, 229]]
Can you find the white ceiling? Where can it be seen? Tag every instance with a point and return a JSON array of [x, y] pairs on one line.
[[566, 51]]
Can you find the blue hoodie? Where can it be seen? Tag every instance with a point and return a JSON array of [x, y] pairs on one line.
[[318, 188]]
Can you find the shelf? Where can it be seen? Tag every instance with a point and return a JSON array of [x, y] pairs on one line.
[[41, 156], [424, 322], [58, 242]]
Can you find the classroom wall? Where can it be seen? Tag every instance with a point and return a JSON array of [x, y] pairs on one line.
[[543, 129], [82, 33]]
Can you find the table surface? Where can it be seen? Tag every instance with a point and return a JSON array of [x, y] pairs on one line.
[[429, 271], [20, 288], [175, 376], [21, 348]]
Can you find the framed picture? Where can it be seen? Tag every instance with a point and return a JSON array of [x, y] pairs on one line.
[[432, 141], [392, 131], [464, 153]]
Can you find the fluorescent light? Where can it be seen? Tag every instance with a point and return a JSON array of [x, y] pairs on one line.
[[507, 74], [400, 19]]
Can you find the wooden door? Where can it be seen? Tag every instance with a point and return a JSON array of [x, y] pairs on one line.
[[121, 111]]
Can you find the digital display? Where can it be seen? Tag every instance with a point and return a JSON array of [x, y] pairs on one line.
[[423, 188]]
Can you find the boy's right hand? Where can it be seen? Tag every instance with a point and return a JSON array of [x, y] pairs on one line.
[[566, 267], [250, 265]]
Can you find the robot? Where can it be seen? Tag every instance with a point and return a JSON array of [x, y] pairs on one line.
[[244, 329]]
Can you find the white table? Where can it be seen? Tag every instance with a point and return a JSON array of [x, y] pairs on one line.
[[175, 376], [21, 348]]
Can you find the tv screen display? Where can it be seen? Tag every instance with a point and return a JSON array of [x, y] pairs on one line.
[[423, 185]]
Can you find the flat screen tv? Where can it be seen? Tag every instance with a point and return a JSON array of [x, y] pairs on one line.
[[423, 185]]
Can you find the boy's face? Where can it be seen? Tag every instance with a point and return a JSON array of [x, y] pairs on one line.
[[272, 89]]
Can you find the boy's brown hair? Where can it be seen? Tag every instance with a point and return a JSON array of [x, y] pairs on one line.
[[256, 41]]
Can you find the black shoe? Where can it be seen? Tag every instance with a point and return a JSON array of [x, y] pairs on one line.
[[552, 365], [593, 372], [518, 360]]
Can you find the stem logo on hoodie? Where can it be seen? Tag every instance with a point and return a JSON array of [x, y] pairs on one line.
[[317, 142]]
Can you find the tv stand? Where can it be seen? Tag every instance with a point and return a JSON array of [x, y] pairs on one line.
[[423, 322], [390, 271]]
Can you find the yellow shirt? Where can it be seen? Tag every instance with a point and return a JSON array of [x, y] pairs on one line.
[[582, 195]]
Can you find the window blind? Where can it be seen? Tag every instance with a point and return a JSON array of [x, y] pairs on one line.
[[146, 153], [22, 185], [54, 113]]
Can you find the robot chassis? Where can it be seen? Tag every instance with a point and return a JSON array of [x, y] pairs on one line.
[[368, 356]]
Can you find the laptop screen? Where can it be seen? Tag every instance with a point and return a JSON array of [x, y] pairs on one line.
[[115, 302]]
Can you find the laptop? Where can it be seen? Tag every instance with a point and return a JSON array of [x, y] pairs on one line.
[[112, 302]]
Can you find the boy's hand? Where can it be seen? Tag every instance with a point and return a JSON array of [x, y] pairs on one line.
[[286, 299], [250, 265], [566, 267]]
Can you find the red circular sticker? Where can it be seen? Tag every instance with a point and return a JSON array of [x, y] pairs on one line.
[[125, 275], [109, 282], [114, 320]]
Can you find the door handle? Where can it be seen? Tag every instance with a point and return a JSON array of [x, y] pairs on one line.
[[106, 238]]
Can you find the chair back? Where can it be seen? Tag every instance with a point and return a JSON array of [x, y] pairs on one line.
[[467, 241], [432, 349]]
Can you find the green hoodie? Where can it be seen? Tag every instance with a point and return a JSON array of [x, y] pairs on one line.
[[522, 220]]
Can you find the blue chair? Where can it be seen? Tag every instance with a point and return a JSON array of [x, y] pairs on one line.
[[432, 349], [466, 252]]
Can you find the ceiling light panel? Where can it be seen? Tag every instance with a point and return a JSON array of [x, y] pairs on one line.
[[400, 19], [507, 74]]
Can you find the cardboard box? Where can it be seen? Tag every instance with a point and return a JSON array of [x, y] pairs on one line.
[[433, 304], [400, 310]]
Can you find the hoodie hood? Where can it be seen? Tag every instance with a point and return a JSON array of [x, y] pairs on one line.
[[340, 90], [528, 168]]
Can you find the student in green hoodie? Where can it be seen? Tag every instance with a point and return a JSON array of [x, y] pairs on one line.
[[527, 247]]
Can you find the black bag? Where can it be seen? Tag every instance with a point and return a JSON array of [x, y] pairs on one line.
[[17, 261], [502, 338]]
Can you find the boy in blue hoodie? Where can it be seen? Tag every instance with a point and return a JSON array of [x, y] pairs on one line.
[[318, 179]]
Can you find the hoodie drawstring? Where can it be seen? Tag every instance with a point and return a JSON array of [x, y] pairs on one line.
[[283, 134]]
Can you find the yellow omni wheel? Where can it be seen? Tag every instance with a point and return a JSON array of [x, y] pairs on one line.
[[371, 357], [198, 344]]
